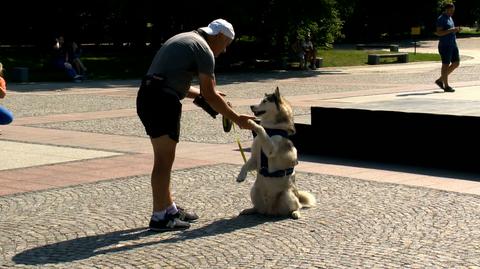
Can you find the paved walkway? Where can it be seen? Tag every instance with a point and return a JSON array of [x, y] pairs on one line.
[[74, 180]]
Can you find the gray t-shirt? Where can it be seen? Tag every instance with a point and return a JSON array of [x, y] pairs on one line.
[[180, 58]]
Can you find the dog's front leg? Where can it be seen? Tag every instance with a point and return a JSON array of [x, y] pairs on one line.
[[266, 142], [248, 166]]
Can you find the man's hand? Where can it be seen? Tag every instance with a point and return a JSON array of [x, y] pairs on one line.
[[244, 122]]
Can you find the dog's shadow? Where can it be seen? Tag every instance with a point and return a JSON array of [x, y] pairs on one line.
[[118, 241]]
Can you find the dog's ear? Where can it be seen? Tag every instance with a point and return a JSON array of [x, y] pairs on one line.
[[278, 98], [277, 93]]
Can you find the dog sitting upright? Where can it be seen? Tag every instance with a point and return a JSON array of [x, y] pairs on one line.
[[274, 157]]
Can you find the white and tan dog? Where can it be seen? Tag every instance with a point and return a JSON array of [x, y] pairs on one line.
[[274, 157]]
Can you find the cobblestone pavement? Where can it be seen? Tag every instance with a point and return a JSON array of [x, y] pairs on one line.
[[92, 212], [356, 224], [192, 126]]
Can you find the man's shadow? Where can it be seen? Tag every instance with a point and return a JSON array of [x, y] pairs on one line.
[[420, 93], [118, 241]]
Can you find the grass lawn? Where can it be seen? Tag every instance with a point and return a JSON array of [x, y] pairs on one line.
[[334, 58], [469, 31]]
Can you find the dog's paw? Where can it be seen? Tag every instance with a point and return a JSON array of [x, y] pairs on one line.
[[295, 214], [248, 211], [256, 127]]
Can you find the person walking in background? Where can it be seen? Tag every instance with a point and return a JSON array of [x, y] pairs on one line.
[[167, 81], [447, 46], [6, 116]]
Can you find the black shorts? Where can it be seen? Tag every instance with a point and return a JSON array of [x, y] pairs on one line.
[[449, 54], [159, 110]]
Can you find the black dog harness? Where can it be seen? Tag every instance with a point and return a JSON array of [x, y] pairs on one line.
[[264, 159]]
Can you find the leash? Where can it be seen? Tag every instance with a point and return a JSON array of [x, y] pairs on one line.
[[237, 138], [227, 126], [239, 145]]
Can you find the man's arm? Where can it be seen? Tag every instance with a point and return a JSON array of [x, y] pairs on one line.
[[193, 92], [216, 101], [441, 32], [207, 89]]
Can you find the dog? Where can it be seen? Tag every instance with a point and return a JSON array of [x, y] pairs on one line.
[[274, 157]]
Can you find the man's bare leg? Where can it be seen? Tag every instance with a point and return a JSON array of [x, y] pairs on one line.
[[164, 154], [447, 69]]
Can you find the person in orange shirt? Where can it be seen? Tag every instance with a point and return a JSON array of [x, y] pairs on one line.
[[6, 116]]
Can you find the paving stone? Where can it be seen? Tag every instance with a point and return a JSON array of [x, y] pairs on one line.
[[356, 223], [26, 105], [196, 126]]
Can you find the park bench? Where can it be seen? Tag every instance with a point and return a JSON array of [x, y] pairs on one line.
[[402, 57], [392, 47]]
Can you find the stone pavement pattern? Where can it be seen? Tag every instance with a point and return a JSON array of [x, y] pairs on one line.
[[356, 223], [90, 208]]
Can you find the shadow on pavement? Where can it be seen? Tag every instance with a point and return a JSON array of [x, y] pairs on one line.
[[80, 248], [118, 241], [233, 78], [222, 79], [223, 226], [391, 166], [419, 93], [385, 165]]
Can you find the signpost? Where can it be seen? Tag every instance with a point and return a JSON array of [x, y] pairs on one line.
[[415, 31]]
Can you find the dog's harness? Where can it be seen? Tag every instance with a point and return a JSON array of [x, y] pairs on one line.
[[264, 159]]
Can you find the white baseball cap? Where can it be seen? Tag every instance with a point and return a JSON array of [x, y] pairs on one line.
[[220, 26]]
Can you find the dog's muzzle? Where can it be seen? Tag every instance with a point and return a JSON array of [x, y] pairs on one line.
[[255, 112]]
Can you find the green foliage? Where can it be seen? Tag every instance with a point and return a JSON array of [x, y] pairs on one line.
[[285, 21], [265, 28], [378, 20]]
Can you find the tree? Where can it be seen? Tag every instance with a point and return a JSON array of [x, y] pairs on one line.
[[373, 20]]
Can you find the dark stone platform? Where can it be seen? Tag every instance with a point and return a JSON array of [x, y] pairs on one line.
[[394, 131]]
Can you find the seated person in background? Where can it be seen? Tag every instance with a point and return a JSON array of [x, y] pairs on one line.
[[65, 59], [6, 116], [298, 52], [310, 52], [76, 51]]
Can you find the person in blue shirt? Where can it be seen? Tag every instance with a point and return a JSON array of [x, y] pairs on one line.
[[447, 46]]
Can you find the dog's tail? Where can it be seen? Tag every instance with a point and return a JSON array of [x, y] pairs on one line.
[[306, 199]]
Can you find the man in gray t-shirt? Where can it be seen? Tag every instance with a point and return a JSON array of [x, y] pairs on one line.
[[180, 59], [167, 81]]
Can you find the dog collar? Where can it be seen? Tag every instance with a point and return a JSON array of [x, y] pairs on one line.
[[280, 132], [279, 173], [264, 159]]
